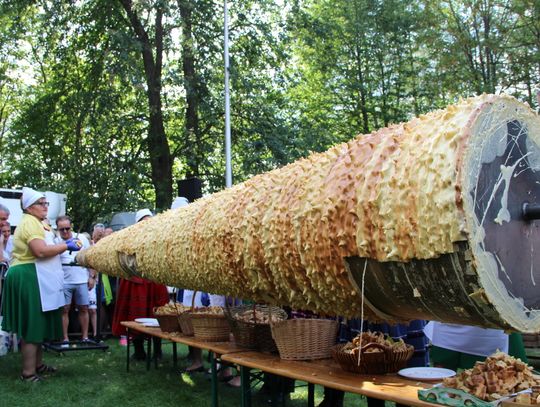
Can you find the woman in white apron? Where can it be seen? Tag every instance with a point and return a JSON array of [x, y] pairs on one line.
[[32, 298]]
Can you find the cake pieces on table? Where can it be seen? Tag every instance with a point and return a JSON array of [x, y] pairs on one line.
[[498, 376]]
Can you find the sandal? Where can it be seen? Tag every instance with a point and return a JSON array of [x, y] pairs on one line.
[[45, 369], [199, 369], [234, 382], [33, 378]]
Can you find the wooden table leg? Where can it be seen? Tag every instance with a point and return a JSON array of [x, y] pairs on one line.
[[245, 386], [214, 383]]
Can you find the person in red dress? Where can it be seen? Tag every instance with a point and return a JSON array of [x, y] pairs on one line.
[[137, 298]]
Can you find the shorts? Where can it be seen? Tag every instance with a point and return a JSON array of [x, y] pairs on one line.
[[79, 290], [92, 304]]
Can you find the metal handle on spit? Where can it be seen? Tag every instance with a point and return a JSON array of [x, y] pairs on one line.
[[530, 211]]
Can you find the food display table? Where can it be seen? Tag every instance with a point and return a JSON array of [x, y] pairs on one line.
[[327, 373], [322, 372], [149, 332], [214, 349]]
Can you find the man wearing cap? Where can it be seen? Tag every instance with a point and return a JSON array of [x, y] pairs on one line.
[[33, 287], [77, 280], [137, 298]]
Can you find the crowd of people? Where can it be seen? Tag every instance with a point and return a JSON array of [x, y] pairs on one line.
[[44, 281], [33, 294]]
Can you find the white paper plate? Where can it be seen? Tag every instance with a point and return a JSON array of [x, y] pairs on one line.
[[147, 321], [426, 373]]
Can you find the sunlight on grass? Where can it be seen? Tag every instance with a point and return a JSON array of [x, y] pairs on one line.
[[186, 379], [99, 379]]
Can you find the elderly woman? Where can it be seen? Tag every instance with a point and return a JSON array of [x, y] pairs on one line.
[[6, 244], [33, 289]]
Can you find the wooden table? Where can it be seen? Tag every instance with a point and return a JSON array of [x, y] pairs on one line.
[[213, 348], [322, 372], [327, 373], [219, 348], [149, 332]]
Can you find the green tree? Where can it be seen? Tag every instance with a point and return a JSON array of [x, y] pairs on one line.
[[151, 50], [76, 130]]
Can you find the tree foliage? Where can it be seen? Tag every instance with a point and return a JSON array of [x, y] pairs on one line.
[[111, 101]]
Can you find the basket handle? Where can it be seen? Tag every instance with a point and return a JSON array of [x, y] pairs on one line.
[[271, 322], [364, 348], [371, 345], [175, 301], [228, 308], [193, 301]]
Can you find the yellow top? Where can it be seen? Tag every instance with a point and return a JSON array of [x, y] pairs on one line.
[[29, 229]]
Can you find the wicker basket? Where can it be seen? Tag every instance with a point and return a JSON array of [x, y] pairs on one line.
[[305, 339], [210, 327], [386, 361], [184, 320], [398, 359], [254, 335], [168, 323]]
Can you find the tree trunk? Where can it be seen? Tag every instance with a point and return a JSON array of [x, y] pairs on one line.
[[192, 131], [157, 143], [360, 72]]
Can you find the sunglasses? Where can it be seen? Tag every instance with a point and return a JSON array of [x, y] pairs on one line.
[[64, 229]]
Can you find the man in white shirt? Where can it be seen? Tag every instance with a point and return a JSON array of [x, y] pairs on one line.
[[77, 280]]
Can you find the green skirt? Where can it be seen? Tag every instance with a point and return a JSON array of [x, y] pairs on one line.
[[458, 360], [22, 307]]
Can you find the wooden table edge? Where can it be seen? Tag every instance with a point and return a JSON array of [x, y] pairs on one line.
[[319, 379]]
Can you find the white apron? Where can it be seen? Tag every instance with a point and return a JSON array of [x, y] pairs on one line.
[[50, 278], [467, 339]]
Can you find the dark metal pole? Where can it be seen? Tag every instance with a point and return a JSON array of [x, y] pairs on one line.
[[214, 384], [530, 211], [127, 349], [311, 395], [245, 400]]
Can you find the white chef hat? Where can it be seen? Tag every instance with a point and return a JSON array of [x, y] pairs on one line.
[[141, 213], [179, 201], [30, 196]]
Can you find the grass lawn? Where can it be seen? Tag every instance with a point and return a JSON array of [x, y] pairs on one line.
[[99, 379]]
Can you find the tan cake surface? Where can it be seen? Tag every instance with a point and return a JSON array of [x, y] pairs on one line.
[[401, 194]]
